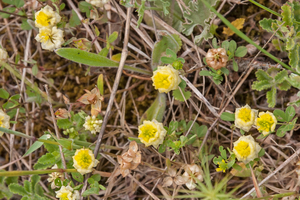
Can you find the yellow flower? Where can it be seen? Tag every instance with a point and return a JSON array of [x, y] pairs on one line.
[[4, 121], [51, 38], [165, 79], [152, 133], [84, 161], [66, 193], [97, 3], [266, 122], [46, 17], [246, 149], [3, 55], [245, 117]]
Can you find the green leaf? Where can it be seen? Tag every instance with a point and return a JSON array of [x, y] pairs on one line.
[[178, 95], [287, 15], [280, 115], [168, 41], [225, 70], [261, 85], [77, 176], [17, 3], [92, 59], [205, 73], [27, 186], [90, 191], [241, 51], [261, 152], [290, 113], [100, 84], [85, 7], [65, 143], [34, 181], [113, 37], [294, 58], [261, 75], [48, 158], [225, 45], [201, 131], [141, 10], [96, 177], [281, 131], [266, 24], [215, 43], [172, 127], [17, 189], [35, 146], [290, 43], [157, 109], [7, 9], [271, 97], [232, 46], [225, 116], [4, 94], [74, 20], [64, 123], [35, 70], [223, 152], [235, 66], [280, 76]]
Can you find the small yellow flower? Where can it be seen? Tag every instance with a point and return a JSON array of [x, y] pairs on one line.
[[245, 117], [84, 161], [246, 149], [165, 79], [4, 121], [222, 166], [152, 133], [97, 3], [266, 122], [51, 38], [3, 55], [67, 193], [46, 17]]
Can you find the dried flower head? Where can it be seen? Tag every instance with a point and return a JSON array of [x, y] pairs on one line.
[[92, 124], [46, 17], [165, 79], [97, 3], [3, 55], [173, 178], [84, 161], [246, 149], [4, 121], [67, 193], [62, 113], [130, 159], [266, 122], [216, 58], [94, 98], [152, 133], [245, 117], [191, 173], [51, 38], [53, 176]]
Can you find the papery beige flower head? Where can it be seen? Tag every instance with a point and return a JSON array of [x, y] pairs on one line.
[[245, 117], [152, 133], [46, 17], [55, 175], [3, 55], [51, 38], [84, 161], [130, 159], [67, 193], [246, 149], [97, 3], [94, 98], [173, 178], [191, 172], [216, 58], [4, 121], [62, 113], [165, 79]]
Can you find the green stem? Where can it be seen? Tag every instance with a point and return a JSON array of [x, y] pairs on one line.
[[243, 36], [17, 133], [23, 173], [265, 8]]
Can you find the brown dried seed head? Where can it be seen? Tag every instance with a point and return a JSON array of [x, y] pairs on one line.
[[130, 159], [216, 58]]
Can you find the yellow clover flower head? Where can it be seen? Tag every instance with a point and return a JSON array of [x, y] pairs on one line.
[[51, 38], [245, 117], [67, 193], [92, 124], [4, 121], [266, 122], [165, 79], [97, 3], [84, 161], [246, 149], [152, 133], [46, 17], [3, 55], [222, 166]]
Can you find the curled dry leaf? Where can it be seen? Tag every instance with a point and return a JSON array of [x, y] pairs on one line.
[[216, 58], [130, 159]]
